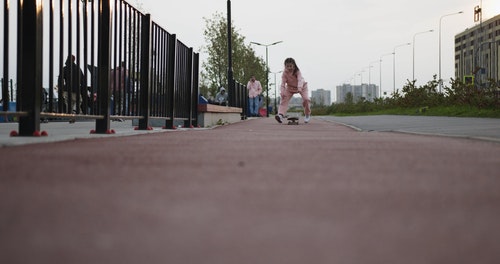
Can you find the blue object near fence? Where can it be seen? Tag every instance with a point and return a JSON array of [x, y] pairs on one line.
[[202, 100], [12, 108]]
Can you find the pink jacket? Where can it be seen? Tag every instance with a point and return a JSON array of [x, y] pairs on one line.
[[254, 89], [292, 83]]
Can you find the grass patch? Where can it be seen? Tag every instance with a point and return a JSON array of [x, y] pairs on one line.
[[456, 111], [463, 111]]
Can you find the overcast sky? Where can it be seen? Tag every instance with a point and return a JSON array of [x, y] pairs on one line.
[[333, 41]]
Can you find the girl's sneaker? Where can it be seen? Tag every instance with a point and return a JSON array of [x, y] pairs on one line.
[[307, 118], [279, 118]]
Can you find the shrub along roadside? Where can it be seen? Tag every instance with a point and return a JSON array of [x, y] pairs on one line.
[[465, 100]]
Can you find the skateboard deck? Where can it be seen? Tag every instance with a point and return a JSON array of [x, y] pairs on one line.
[[293, 120]]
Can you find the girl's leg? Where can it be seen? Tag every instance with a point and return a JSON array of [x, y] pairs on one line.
[[285, 99], [306, 101]]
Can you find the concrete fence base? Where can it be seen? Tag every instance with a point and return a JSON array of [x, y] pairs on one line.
[[212, 115]]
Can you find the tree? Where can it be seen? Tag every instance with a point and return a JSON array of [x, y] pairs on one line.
[[214, 69], [349, 98]]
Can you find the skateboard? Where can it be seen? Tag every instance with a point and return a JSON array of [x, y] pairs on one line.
[[293, 120]]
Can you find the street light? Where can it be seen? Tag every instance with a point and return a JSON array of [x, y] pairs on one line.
[[275, 94], [418, 33], [370, 73], [360, 74], [394, 65], [440, 19], [267, 71], [481, 65], [380, 72]]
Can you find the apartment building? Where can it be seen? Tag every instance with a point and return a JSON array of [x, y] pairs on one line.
[[367, 92], [477, 52], [321, 97]]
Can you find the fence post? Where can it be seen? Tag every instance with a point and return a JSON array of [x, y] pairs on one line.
[[5, 79], [195, 90], [244, 100], [29, 71], [231, 90], [189, 75], [104, 67], [145, 91], [171, 70]]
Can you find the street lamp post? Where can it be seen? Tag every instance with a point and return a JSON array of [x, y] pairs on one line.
[[380, 72], [360, 74], [394, 65], [481, 63], [370, 74], [267, 71], [440, 19], [418, 33], [230, 74]]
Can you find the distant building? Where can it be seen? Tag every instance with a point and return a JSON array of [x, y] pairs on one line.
[[476, 52], [295, 102], [321, 97], [367, 92]]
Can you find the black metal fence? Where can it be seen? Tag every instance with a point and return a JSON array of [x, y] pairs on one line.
[[101, 59], [238, 97]]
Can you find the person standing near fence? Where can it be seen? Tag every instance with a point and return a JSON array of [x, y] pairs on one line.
[[254, 90], [120, 89], [73, 81]]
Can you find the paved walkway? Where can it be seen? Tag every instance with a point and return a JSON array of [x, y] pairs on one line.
[[252, 192]]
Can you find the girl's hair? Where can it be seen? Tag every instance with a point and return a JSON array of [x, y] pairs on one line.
[[292, 61]]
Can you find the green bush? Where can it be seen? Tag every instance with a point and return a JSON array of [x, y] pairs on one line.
[[457, 100]]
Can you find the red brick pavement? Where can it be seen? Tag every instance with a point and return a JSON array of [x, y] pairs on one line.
[[252, 192]]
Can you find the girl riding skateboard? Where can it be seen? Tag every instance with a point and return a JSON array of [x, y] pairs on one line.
[[292, 82]]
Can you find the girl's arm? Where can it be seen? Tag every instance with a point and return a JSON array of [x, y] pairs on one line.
[[283, 83], [300, 80]]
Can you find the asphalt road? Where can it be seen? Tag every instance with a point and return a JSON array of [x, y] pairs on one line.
[[477, 128]]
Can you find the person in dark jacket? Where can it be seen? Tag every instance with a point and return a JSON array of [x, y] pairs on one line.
[[74, 82]]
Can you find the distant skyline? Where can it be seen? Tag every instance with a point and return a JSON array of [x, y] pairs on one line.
[[335, 42]]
